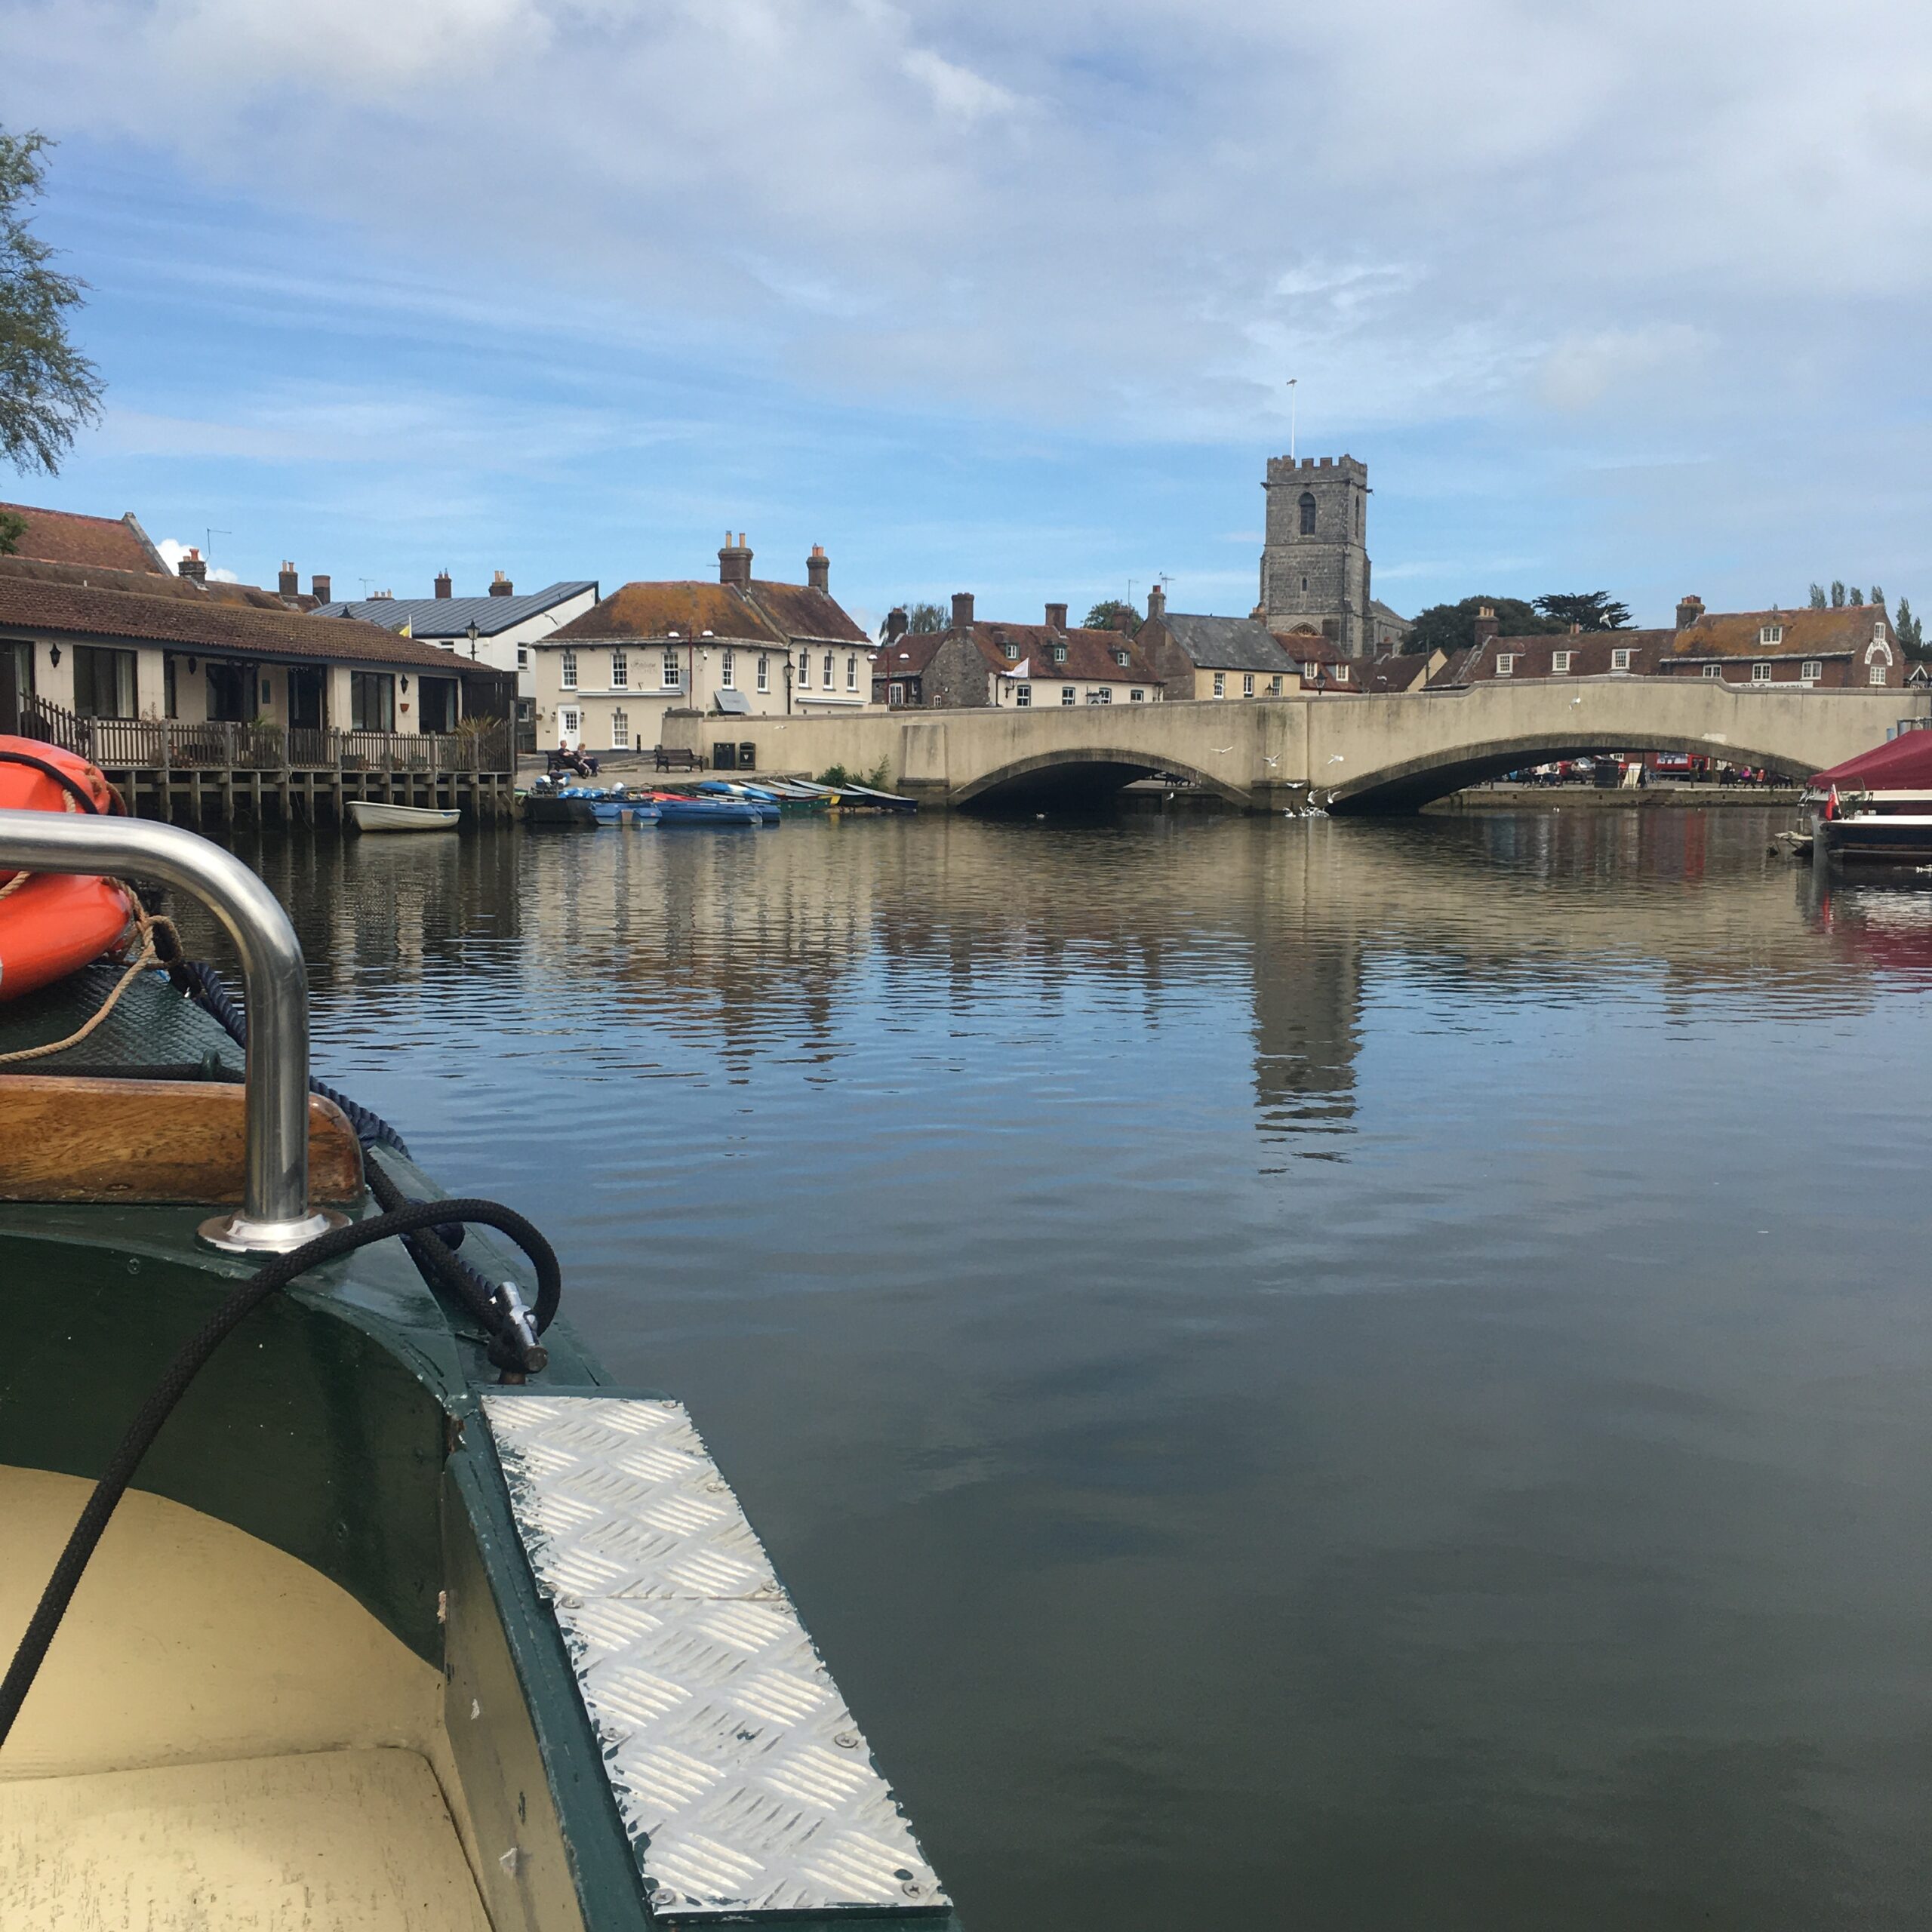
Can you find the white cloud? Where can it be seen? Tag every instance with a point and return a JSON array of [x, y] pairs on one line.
[[1582, 370], [955, 90], [173, 550]]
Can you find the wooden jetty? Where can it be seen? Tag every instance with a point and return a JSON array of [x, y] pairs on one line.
[[194, 773]]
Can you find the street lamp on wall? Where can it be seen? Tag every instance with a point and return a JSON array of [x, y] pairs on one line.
[[473, 634], [53, 656]]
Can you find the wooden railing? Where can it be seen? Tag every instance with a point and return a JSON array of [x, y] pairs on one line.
[[152, 744]]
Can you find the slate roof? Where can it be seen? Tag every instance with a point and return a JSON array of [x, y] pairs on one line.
[[451, 617], [1394, 671], [34, 605], [1835, 633], [1227, 643], [64, 537]]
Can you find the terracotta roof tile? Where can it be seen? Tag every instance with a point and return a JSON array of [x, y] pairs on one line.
[[802, 612], [147, 584], [34, 605], [1090, 654], [65, 537]]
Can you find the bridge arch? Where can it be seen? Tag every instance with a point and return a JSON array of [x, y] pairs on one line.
[[1074, 773], [1412, 783]]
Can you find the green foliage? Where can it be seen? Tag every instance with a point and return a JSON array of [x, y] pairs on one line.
[[836, 775], [48, 390], [12, 529], [1878, 596], [923, 619], [1817, 597], [880, 777], [1838, 593], [1589, 610], [1854, 596], [1911, 630], [1105, 615], [1452, 627]]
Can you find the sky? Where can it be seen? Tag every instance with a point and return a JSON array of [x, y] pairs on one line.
[[1001, 297]]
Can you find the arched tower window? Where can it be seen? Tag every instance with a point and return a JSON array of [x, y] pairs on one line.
[[1307, 513]]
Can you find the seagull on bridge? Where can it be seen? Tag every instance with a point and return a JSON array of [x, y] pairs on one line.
[[1270, 761], [1222, 750], [1336, 759]]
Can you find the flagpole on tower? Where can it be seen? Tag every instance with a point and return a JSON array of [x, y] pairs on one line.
[[1292, 381]]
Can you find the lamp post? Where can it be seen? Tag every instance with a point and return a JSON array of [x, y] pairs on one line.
[[472, 633]]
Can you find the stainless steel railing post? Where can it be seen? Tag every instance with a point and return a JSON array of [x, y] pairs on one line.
[[275, 1215]]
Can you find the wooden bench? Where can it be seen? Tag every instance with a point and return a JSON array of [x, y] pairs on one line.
[[677, 757]]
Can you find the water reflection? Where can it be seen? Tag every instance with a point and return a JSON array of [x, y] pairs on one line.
[[1345, 1374]]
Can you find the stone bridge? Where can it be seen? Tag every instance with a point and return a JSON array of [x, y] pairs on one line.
[[1349, 754]]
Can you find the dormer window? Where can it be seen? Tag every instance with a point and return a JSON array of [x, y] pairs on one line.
[[1506, 664], [1619, 661], [1120, 658], [1059, 654], [1341, 674], [1559, 661], [1010, 646], [1771, 634]]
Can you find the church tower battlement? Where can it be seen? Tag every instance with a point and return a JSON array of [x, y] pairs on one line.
[[1314, 573]]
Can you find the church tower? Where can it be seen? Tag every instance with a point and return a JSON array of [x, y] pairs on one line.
[[1314, 558]]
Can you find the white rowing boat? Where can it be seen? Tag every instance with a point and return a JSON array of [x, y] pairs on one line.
[[372, 815]]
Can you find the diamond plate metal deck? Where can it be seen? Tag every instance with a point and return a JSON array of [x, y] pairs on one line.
[[744, 1785]]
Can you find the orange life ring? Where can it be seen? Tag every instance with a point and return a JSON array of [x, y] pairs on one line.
[[53, 923]]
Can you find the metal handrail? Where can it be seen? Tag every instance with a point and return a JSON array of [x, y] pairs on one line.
[[276, 1214]]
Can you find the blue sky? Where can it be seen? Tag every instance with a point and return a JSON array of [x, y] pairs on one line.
[[999, 297]]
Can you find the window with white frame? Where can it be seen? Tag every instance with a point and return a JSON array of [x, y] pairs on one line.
[[567, 670], [1120, 657], [1059, 652], [523, 657], [620, 670], [620, 730], [1761, 674], [1220, 684], [1714, 670], [1506, 665], [1770, 633], [1247, 684], [828, 670], [1814, 670], [1619, 661], [1875, 674], [727, 670], [1066, 695], [1106, 695], [1136, 697], [1341, 674], [852, 671], [805, 670], [764, 671], [1275, 685], [1559, 661], [1023, 697], [668, 676]]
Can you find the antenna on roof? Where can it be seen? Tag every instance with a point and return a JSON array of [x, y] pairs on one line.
[[207, 549], [1292, 381]]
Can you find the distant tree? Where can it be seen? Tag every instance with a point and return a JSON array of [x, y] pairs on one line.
[[918, 617], [1106, 614], [48, 390], [1838, 593], [1878, 596], [1854, 595], [1817, 597], [1910, 630], [12, 529], [1453, 626], [1589, 610]]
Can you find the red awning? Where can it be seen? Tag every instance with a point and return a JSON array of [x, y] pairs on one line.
[[1903, 764]]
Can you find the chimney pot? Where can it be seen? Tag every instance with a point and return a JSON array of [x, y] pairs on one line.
[[1689, 609], [734, 561], [193, 567], [818, 569], [501, 586], [318, 588], [1057, 617], [288, 584], [962, 609], [1576, 628], [896, 622], [444, 588], [1486, 625]]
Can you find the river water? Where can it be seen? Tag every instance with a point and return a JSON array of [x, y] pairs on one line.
[[1315, 1374]]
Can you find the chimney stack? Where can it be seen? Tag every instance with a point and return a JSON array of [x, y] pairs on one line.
[[1689, 609], [818, 569], [318, 588], [734, 561], [897, 623], [1157, 602], [444, 588], [1486, 625], [501, 586], [962, 610], [193, 567], [288, 584], [1576, 628], [1056, 618]]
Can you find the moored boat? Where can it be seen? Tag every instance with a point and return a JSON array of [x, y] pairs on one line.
[[1877, 808], [374, 815], [408, 1617]]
